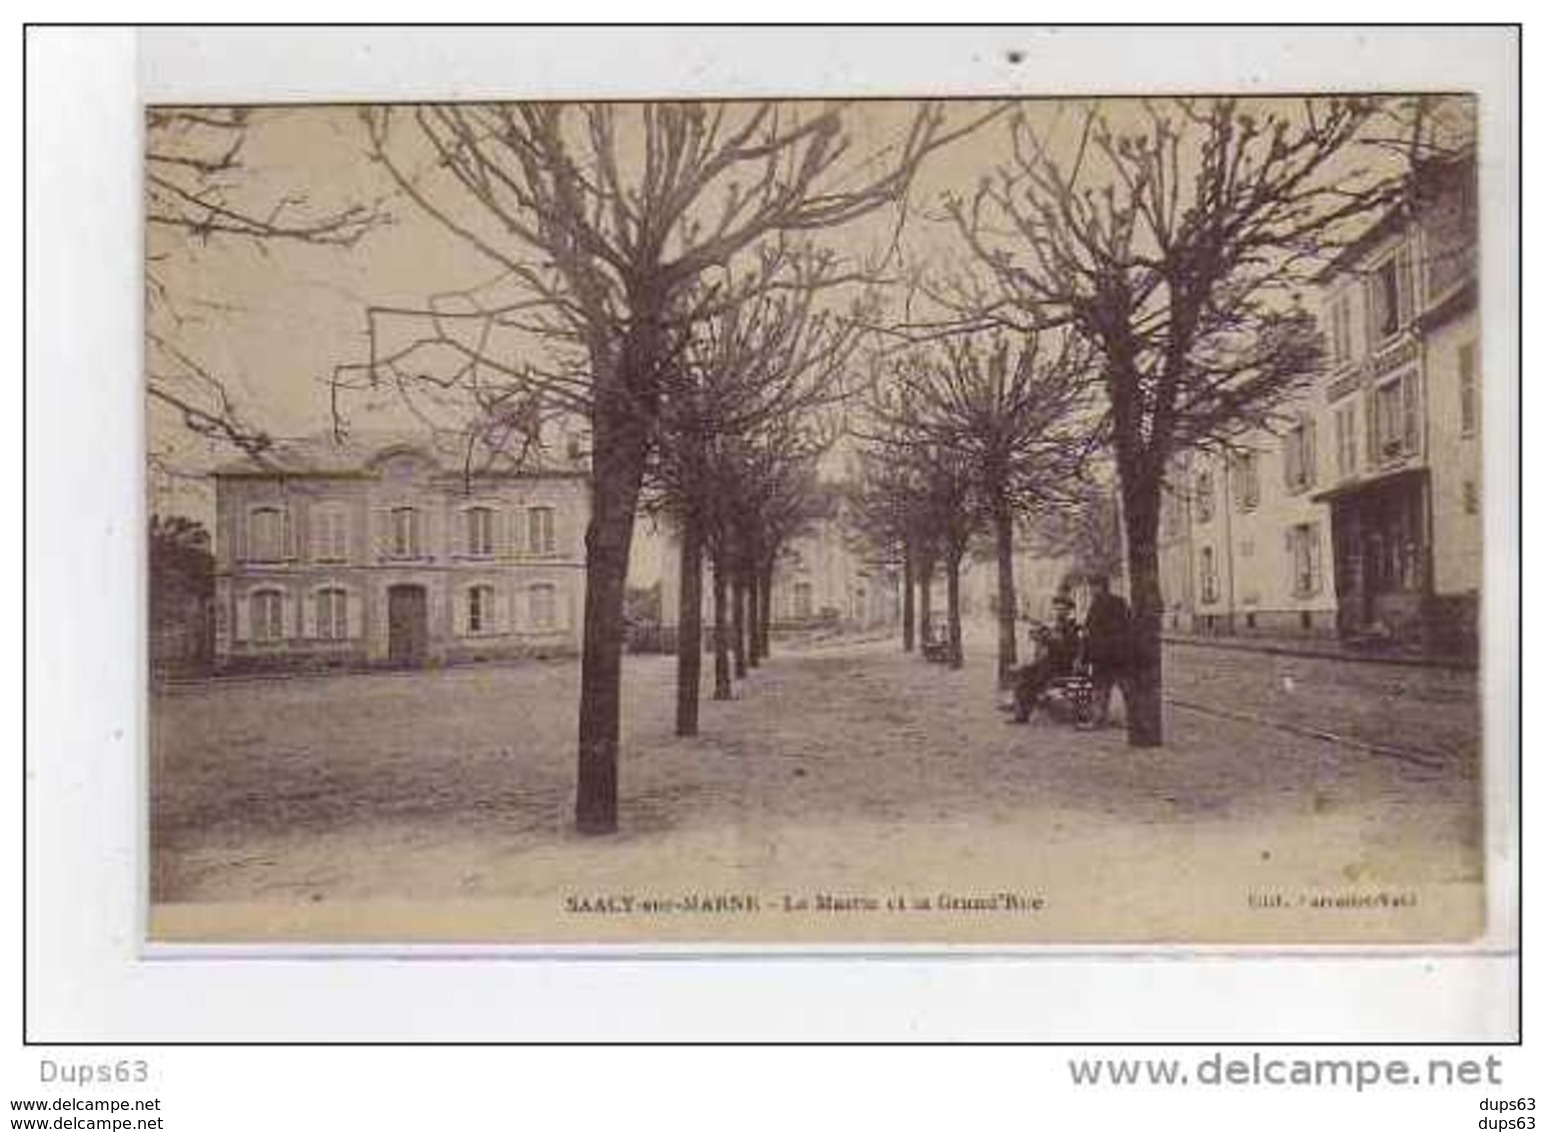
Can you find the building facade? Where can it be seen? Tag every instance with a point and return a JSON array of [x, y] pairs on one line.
[[390, 553], [1361, 516]]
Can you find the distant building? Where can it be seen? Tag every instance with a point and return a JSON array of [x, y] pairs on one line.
[[820, 578], [390, 552], [1362, 515]]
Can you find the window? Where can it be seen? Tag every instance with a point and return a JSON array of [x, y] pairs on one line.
[[1467, 402], [1304, 549], [1298, 456], [268, 531], [330, 534], [1396, 423], [541, 530], [1472, 498], [1204, 501], [406, 542], [1389, 296], [544, 607], [267, 610], [332, 614], [1209, 575], [1346, 440], [1341, 329], [480, 609], [1247, 482], [804, 605], [480, 531]]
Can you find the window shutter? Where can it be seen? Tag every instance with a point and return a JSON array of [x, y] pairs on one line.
[[1371, 429], [309, 616], [240, 521], [243, 617], [499, 532], [1310, 455], [1409, 408], [383, 531], [287, 535], [1315, 575], [1404, 284], [1371, 305], [519, 610]]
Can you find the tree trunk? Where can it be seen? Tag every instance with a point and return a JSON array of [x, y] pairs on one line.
[[738, 595], [722, 689], [908, 608], [1145, 681], [689, 628], [608, 540], [925, 597], [1008, 601], [753, 615], [764, 620], [952, 590]]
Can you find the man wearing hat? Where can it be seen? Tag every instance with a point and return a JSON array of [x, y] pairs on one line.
[[1058, 648], [1108, 633]]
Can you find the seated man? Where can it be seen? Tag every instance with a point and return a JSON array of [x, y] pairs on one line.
[[1058, 648]]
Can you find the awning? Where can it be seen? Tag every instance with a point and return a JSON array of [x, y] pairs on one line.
[[1370, 484]]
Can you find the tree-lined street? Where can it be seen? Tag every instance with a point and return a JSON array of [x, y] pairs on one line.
[[846, 767]]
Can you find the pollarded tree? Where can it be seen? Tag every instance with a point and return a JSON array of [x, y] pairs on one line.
[[1013, 410], [770, 359], [615, 224], [1170, 235], [935, 481]]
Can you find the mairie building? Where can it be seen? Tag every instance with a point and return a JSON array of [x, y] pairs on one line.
[[393, 551]]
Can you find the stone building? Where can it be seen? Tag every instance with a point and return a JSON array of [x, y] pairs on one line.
[[388, 551], [1361, 515]]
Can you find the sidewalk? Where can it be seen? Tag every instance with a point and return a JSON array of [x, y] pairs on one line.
[[1329, 649]]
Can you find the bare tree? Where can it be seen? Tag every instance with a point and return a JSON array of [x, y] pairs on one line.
[[1012, 410], [617, 224], [770, 359], [199, 191], [884, 511], [937, 484], [1171, 238]]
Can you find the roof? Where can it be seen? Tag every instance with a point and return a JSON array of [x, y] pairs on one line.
[[1434, 177], [356, 454]]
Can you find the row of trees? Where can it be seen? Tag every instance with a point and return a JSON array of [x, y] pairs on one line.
[[666, 272], [970, 433], [1129, 296]]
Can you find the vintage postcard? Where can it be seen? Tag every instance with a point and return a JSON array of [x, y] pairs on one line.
[[974, 522]]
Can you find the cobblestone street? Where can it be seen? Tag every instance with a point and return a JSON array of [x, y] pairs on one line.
[[338, 803]]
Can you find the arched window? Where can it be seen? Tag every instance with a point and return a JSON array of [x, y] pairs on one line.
[[332, 614], [480, 531], [480, 609], [267, 615], [266, 534]]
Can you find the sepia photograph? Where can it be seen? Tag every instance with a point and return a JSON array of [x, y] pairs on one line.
[[994, 522]]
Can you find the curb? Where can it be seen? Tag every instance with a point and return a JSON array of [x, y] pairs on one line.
[[1456, 664]]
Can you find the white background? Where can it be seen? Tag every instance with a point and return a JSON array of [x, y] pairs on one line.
[[84, 758]]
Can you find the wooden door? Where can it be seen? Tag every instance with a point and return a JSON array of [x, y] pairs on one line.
[[407, 612]]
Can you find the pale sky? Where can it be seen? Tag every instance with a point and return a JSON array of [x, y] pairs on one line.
[[275, 321]]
